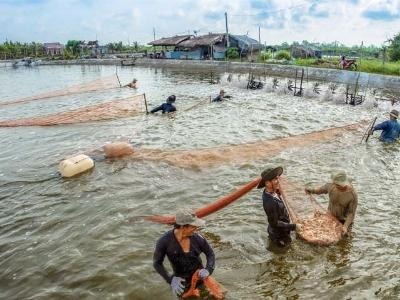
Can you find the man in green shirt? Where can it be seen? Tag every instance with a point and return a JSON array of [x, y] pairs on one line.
[[343, 198]]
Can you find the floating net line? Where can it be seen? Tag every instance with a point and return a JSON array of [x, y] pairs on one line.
[[118, 108], [109, 82], [243, 153], [319, 226]]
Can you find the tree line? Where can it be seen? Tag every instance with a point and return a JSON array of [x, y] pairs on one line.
[[73, 49]]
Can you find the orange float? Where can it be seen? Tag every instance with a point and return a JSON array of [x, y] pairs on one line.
[[212, 207]]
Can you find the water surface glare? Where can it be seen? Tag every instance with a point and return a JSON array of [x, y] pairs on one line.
[[81, 238]]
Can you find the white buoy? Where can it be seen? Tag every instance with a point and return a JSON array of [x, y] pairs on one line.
[[75, 165]]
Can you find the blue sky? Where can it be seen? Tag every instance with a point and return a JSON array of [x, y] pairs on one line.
[[346, 21]]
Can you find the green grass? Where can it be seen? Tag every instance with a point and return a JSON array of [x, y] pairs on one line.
[[365, 65], [376, 66]]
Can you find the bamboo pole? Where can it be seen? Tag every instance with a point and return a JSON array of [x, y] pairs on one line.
[[116, 74], [145, 103]]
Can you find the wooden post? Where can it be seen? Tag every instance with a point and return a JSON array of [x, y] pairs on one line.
[[145, 103], [301, 83], [116, 73]]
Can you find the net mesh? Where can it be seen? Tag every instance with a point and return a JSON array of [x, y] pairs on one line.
[[118, 108], [104, 83], [318, 225], [243, 153], [215, 289]]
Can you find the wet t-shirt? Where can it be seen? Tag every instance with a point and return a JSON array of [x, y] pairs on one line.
[[279, 225], [390, 130], [165, 108], [183, 264], [342, 204]]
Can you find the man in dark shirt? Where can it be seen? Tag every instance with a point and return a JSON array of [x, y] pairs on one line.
[[183, 246], [279, 226], [166, 107], [221, 96]]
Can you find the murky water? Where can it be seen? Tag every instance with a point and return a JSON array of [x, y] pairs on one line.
[[81, 238]]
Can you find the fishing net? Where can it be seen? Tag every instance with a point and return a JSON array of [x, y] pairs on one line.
[[105, 83], [119, 108], [318, 225], [214, 288], [243, 153]]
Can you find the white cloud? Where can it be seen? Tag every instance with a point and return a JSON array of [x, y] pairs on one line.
[[123, 20]]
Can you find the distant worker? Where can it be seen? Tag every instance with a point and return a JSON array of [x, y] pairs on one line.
[[221, 96], [390, 128], [133, 84], [254, 85], [183, 246], [343, 198], [347, 63], [279, 225], [166, 107]]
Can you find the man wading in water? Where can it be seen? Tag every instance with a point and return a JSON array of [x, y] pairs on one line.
[[343, 198], [221, 96], [183, 246], [279, 226], [166, 107], [390, 128], [133, 84]]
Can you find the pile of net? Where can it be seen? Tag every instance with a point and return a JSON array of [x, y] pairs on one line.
[[214, 288], [319, 226], [118, 108], [105, 83]]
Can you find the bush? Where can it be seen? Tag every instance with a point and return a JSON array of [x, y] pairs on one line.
[[283, 54], [265, 55], [232, 53]]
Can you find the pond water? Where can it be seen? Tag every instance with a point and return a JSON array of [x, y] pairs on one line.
[[83, 238]]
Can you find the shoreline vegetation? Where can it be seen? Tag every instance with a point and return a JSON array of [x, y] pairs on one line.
[[383, 60]]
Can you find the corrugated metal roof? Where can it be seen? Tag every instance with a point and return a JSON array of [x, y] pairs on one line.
[[247, 40], [170, 41]]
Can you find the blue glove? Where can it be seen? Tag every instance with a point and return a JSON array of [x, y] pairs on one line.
[[177, 286], [203, 273]]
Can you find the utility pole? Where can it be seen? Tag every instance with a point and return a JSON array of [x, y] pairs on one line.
[[227, 32], [259, 34], [383, 55], [154, 33]]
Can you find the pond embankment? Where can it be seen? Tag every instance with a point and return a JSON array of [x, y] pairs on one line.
[[390, 83]]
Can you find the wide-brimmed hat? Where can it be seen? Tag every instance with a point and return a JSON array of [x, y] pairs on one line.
[[339, 178], [188, 217], [394, 113], [269, 174]]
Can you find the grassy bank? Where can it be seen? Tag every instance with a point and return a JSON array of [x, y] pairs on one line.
[[364, 65]]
